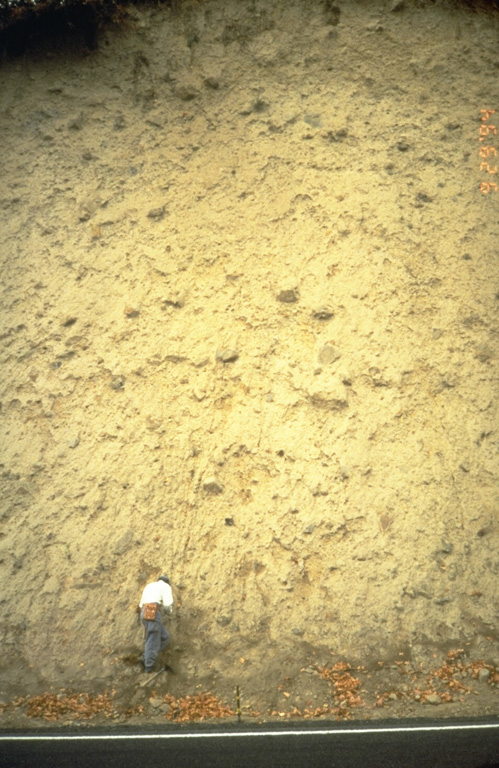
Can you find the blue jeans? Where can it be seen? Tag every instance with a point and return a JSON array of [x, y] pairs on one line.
[[156, 639]]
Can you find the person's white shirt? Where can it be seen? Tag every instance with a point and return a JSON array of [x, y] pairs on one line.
[[158, 592]]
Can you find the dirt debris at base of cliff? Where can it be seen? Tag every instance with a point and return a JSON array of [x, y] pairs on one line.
[[249, 308], [457, 685]]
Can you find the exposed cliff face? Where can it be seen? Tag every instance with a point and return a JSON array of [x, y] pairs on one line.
[[249, 306]]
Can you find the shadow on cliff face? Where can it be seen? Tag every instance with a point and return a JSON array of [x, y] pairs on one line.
[[51, 26], [54, 28]]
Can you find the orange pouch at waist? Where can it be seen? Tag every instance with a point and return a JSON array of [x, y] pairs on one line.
[[149, 611]]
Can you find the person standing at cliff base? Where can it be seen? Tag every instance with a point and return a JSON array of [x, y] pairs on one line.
[[156, 596]]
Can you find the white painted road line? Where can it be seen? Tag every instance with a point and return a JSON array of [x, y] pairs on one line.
[[249, 734]]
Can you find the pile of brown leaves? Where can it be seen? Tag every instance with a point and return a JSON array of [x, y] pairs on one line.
[[201, 706], [310, 714], [445, 682], [345, 685], [52, 706], [447, 673]]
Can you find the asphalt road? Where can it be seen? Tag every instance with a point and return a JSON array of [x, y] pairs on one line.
[[410, 744]]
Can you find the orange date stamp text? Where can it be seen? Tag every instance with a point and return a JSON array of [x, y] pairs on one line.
[[487, 151]]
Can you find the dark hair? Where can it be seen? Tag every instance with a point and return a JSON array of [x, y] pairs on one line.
[[165, 579]]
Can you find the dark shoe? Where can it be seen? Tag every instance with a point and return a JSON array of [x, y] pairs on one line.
[[144, 666]]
